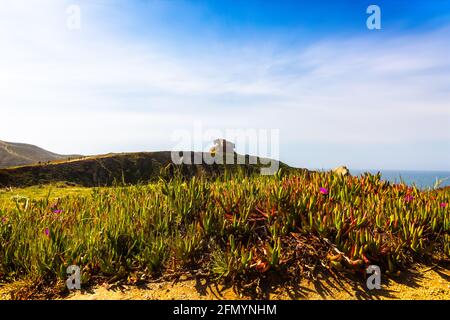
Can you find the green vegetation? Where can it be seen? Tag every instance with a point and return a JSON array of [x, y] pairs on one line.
[[10, 196], [104, 170], [233, 228]]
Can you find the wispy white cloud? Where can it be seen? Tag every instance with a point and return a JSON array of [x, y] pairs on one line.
[[104, 92]]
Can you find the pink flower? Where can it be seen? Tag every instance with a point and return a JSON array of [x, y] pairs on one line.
[[57, 211], [4, 220], [47, 232], [323, 191], [409, 198], [444, 204]]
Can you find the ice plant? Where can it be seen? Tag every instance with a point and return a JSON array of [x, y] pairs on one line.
[[168, 225]]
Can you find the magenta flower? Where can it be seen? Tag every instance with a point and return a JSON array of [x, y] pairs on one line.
[[323, 191], [57, 211], [47, 232], [444, 204], [409, 198]]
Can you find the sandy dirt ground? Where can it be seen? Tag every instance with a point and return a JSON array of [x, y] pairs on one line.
[[423, 283]]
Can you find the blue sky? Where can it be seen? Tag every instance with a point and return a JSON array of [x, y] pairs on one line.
[[139, 71]]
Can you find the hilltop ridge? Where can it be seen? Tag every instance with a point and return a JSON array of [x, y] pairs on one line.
[[103, 170], [18, 154]]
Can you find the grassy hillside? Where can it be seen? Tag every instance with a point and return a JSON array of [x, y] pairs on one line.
[[18, 154], [104, 170], [10, 196]]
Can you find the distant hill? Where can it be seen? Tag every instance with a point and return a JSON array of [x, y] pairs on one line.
[[19, 154], [104, 170]]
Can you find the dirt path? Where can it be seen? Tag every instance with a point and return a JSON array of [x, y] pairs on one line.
[[423, 283]]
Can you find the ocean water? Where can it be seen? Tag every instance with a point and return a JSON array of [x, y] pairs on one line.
[[422, 179]]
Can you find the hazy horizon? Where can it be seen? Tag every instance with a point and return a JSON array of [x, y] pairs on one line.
[[339, 93], [310, 168]]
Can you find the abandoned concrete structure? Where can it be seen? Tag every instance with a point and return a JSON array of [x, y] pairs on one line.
[[222, 146]]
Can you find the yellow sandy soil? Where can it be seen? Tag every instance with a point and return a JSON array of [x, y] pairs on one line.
[[423, 283]]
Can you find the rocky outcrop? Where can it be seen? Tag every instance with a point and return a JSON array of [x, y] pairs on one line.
[[342, 170]]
